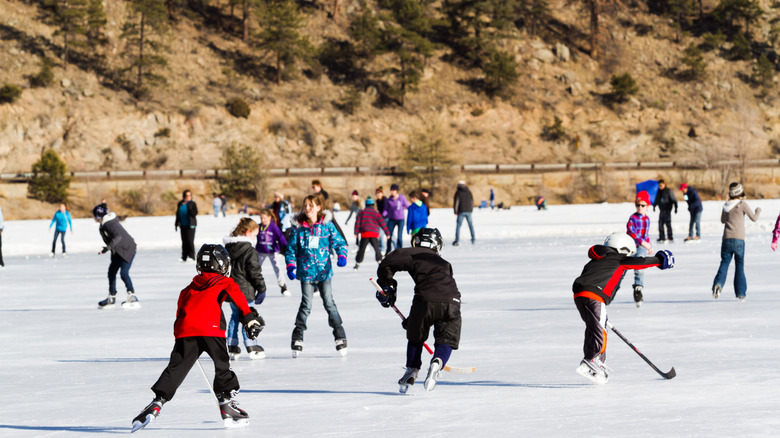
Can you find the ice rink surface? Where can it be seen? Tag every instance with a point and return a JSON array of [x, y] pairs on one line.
[[71, 370]]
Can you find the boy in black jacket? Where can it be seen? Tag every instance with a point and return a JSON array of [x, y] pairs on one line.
[[436, 303], [595, 288], [122, 247]]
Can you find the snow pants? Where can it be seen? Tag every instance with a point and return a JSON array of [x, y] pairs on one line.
[[187, 243], [185, 352], [594, 314], [362, 249]]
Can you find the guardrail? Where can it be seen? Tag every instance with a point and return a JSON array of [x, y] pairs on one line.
[[24, 177]]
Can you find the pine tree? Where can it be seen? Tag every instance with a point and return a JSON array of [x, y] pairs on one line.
[[144, 30], [96, 20], [70, 17], [693, 59], [500, 73], [281, 21], [429, 158], [50, 180], [730, 11], [763, 72]]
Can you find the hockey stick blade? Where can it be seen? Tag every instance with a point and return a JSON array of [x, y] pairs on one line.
[[670, 375], [459, 370]]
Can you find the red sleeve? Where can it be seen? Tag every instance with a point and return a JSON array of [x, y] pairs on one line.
[[238, 298]]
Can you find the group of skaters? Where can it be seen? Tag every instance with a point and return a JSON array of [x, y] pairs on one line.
[[600, 279], [232, 273]]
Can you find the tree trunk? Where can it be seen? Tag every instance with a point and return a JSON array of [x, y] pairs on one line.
[[141, 51], [595, 6], [278, 69], [245, 20], [335, 8]]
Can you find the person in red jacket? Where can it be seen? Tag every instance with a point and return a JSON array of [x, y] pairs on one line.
[[596, 287], [368, 224], [200, 327]]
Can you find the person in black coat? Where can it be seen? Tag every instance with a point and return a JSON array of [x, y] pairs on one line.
[[665, 201], [187, 220], [436, 303], [462, 206], [246, 272], [122, 247]]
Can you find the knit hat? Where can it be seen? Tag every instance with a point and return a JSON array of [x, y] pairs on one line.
[[683, 186], [461, 183], [380, 189], [643, 196], [369, 200], [279, 194], [394, 187], [354, 193], [99, 211], [735, 190]]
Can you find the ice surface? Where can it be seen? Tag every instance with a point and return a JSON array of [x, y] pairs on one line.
[[69, 369]]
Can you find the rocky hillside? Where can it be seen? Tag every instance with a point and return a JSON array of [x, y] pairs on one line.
[[184, 124]]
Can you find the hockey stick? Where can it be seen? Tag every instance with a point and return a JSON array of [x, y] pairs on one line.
[[207, 381], [454, 370], [667, 376]]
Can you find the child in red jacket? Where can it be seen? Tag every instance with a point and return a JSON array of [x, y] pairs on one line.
[[368, 224], [596, 287], [200, 327]]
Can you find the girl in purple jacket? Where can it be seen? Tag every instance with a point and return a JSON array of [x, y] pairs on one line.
[[271, 242]]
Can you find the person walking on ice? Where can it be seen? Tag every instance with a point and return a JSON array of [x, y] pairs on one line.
[[436, 303], [733, 244], [199, 327], [595, 289]]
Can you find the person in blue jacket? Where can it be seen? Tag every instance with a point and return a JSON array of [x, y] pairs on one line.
[[308, 258], [62, 219], [694, 208], [417, 214]]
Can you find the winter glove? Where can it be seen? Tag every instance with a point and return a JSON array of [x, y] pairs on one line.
[[291, 272], [104, 250], [405, 324], [342, 261], [253, 324], [774, 246], [259, 298], [666, 259], [387, 298]]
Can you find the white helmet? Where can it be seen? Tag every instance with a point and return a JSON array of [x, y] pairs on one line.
[[622, 242]]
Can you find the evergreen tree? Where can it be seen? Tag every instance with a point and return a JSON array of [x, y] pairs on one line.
[[405, 40], [763, 72], [50, 180], [281, 21], [144, 30], [429, 158], [623, 86], [245, 174], [534, 13], [500, 73], [740, 47], [70, 17], [730, 11], [693, 59], [96, 21]]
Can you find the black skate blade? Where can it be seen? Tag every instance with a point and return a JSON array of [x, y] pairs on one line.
[[137, 425]]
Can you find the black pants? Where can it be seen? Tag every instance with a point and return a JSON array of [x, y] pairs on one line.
[[594, 314], [443, 317], [665, 222], [1, 249], [187, 243], [185, 352], [362, 249]]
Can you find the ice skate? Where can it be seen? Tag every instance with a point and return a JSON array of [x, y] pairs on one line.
[[108, 303], [356, 267], [593, 370], [297, 348], [131, 302], [51, 255], [256, 352], [232, 415], [434, 372], [407, 380], [234, 351], [64, 254], [341, 346], [285, 292], [716, 291], [147, 415], [638, 295]]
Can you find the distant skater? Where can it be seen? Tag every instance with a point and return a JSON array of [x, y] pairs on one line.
[[62, 220]]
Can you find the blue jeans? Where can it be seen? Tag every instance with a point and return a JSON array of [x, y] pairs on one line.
[[695, 221], [393, 223], [466, 215], [234, 326], [326, 293], [118, 264], [216, 211], [639, 275], [735, 248], [61, 235]]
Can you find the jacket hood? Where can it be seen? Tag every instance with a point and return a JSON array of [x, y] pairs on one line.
[[729, 205], [236, 239], [108, 217], [206, 279]]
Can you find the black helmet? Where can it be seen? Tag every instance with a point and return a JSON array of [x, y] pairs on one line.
[[213, 258], [428, 238]]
